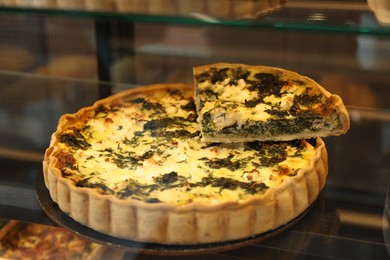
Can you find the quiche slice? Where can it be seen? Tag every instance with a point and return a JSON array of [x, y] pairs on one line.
[[238, 102], [133, 166]]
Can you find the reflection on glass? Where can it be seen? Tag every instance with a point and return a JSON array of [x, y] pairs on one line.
[[386, 221]]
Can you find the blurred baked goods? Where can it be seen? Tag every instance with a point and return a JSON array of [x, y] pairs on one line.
[[218, 9]]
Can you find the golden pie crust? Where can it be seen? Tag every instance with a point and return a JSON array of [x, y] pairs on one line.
[[193, 223]]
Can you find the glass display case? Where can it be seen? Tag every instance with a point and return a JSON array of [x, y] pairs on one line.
[[59, 56]]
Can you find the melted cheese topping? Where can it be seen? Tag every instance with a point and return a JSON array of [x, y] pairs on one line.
[[149, 148]]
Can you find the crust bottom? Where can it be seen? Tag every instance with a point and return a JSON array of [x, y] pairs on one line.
[[190, 225]]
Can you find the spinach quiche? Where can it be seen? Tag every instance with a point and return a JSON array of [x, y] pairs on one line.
[[134, 166], [238, 102]]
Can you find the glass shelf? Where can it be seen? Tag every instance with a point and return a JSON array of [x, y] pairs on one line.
[[354, 16]]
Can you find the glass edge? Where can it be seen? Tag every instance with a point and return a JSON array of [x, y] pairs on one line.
[[199, 20]]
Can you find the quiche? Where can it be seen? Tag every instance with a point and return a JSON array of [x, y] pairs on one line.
[[22, 240], [134, 166], [242, 103]]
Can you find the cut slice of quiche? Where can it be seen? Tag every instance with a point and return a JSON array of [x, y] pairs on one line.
[[241, 103]]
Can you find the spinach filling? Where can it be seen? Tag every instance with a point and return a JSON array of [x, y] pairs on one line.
[[231, 184], [206, 94], [139, 191], [207, 123], [165, 122], [223, 163], [103, 111], [98, 186], [190, 106], [75, 140], [272, 127], [175, 134], [269, 154], [214, 75], [306, 121], [128, 160], [136, 190], [147, 105], [265, 84]]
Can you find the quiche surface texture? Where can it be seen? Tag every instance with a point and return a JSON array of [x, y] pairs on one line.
[[238, 102], [134, 166]]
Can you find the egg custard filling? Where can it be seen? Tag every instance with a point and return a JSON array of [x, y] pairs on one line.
[[148, 148]]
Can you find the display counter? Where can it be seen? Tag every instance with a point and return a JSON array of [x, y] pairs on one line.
[[70, 56]]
